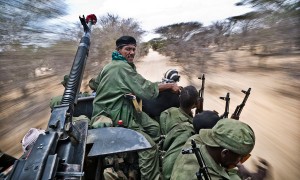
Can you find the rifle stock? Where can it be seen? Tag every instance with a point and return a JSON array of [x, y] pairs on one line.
[[59, 153], [199, 107], [239, 108]]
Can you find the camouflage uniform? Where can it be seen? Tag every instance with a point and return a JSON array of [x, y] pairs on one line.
[[116, 79], [227, 133], [92, 84], [177, 126], [55, 101]]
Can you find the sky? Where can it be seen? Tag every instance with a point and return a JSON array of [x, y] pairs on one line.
[[152, 14]]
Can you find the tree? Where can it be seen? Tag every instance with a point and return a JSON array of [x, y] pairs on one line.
[[273, 24], [220, 30], [178, 30]]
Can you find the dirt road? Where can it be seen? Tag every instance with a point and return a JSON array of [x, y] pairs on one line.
[[271, 110]]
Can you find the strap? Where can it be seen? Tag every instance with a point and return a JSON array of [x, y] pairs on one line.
[[137, 105]]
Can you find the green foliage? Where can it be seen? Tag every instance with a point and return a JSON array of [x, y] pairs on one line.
[[156, 43]]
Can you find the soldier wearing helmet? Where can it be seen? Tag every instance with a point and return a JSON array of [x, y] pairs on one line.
[[171, 76]]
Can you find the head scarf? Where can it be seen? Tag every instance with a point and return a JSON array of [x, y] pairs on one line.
[[116, 56]]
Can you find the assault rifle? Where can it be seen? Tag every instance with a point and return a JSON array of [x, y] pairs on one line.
[[199, 108], [203, 172], [60, 152], [239, 108], [226, 112]]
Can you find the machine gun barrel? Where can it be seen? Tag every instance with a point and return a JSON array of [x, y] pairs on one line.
[[59, 153], [72, 88], [76, 73]]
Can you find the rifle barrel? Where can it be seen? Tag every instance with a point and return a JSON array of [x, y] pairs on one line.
[[226, 111], [239, 108], [201, 94]]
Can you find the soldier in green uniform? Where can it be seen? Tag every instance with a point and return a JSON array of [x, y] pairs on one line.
[[118, 78], [93, 85], [228, 143], [177, 126]]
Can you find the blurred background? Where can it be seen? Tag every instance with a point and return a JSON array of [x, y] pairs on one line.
[[258, 49]]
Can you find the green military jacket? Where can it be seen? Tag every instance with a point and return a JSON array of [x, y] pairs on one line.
[[178, 127], [172, 117], [186, 165], [116, 79]]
